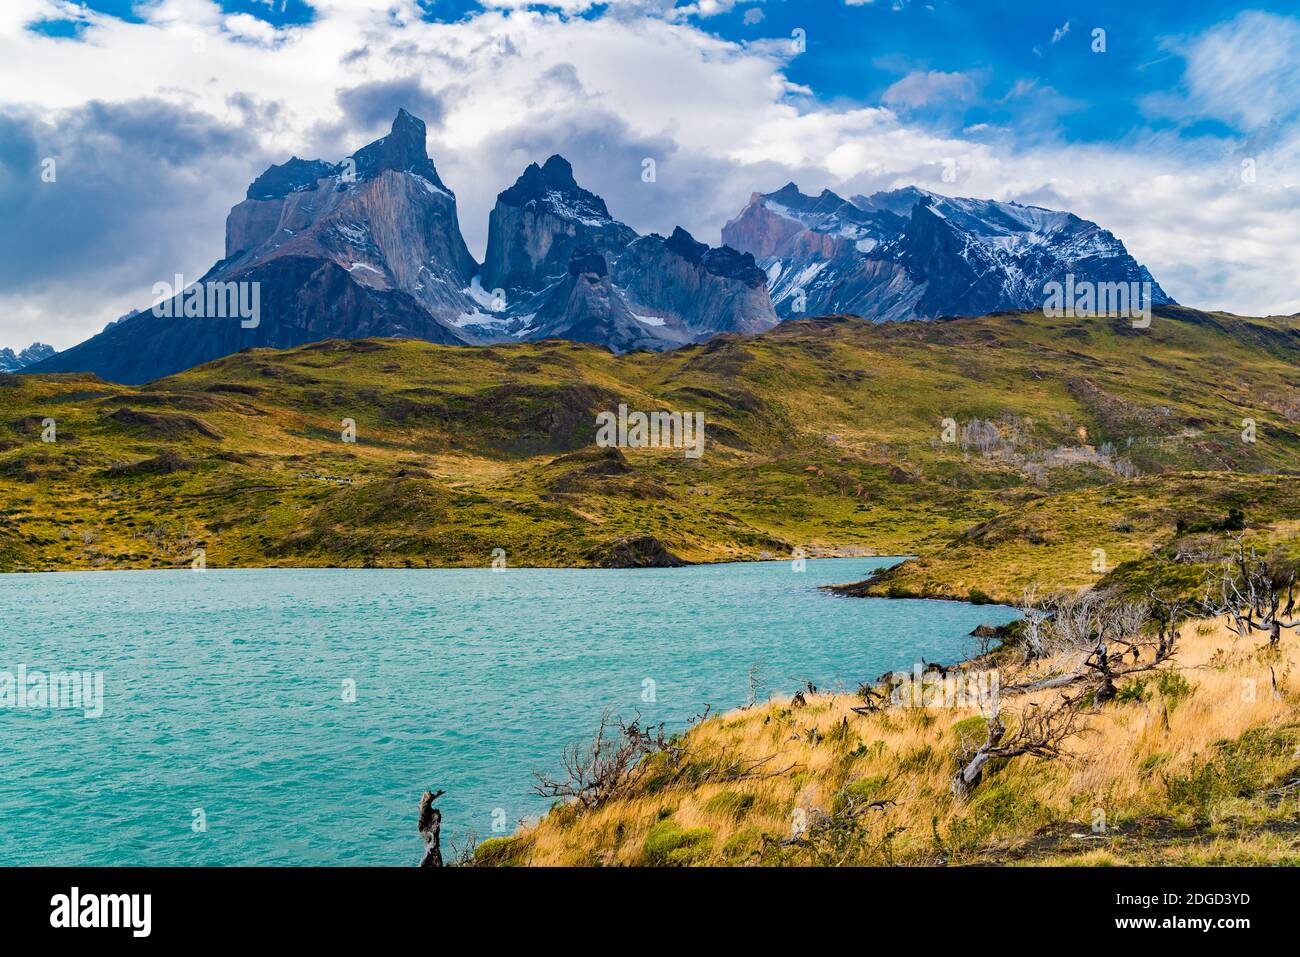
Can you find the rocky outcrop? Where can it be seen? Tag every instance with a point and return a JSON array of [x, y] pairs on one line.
[[692, 290], [642, 551]]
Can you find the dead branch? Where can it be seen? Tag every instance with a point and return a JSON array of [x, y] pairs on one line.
[[1107, 638], [1257, 594], [595, 769], [1038, 731], [614, 760], [1035, 617], [872, 700]]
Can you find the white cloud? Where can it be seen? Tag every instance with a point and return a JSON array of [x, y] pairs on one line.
[[504, 88], [1245, 71], [921, 88]]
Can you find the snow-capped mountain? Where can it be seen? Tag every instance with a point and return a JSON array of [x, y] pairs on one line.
[[11, 361], [909, 253], [371, 246]]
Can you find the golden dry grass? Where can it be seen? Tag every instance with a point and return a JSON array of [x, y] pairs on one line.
[[1180, 774]]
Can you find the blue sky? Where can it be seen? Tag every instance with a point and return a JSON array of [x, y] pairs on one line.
[[858, 51], [161, 112]]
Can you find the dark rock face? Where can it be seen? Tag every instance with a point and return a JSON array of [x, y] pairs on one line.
[[394, 226], [691, 290], [536, 225], [569, 270], [644, 551], [908, 253], [585, 307], [303, 300], [11, 361], [402, 151], [291, 177]]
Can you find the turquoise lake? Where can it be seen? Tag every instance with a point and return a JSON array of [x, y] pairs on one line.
[[224, 694]]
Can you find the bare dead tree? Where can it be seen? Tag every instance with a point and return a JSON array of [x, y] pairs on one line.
[[1257, 593], [757, 684], [430, 824], [1168, 615], [596, 769], [1035, 617], [614, 761], [1039, 731], [1107, 638]]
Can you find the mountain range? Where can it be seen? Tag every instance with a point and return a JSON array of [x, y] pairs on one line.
[[11, 361], [912, 254], [371, 247]]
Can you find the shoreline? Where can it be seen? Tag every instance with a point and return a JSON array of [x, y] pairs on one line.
[[485, 567]]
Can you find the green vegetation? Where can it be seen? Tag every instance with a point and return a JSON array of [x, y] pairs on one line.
[[825, 434]]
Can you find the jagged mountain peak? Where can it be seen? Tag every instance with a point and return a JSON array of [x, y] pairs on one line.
[[552, 188], [897, 201], [723, 261], [557, 172], [539, 222], [291, 176], [403, 150], [321, 253], [912, 253], [11, 361], [794, 199], [685, 245]]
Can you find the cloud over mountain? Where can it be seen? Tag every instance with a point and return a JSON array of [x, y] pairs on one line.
[[209, 102]]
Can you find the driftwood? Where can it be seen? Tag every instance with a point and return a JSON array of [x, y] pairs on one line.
[[872, 700], [431, 829]]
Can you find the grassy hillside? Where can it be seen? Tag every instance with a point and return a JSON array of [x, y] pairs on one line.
[[1002, 452], [1184, 767], [823, 434]]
